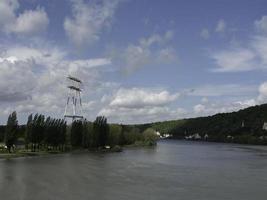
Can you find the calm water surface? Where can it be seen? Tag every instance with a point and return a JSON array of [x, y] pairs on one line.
[[172, 170]]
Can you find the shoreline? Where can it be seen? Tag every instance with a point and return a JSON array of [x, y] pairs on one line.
[[25, 154]]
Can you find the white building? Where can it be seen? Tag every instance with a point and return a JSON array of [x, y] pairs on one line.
[[264, 127]]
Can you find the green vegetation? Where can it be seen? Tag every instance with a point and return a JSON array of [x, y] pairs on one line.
[[11, 131], [41, 136], [244, 126], [44, 133]]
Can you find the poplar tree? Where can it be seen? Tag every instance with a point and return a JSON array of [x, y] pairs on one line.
[[11, 130]]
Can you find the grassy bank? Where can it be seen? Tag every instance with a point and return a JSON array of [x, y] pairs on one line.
[[24, 153], [28, 153]]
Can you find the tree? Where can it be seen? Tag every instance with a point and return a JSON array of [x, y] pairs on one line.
[[28, 133], [87, 134], [62, 136], [11, 130], [150, 136], [101, 129], [132, 135], [115, 132], [76, 133]]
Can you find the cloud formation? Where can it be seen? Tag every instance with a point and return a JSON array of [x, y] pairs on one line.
[[136, 98], [30, 22], [205, 34], [261, 24], [221, 26], [138, 104], [244, 57], [155, 49], [35, 79], [89, 20]]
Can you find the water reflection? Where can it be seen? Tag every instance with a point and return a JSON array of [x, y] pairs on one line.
[[172, 170]]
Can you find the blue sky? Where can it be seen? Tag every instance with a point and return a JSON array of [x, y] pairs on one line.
[[140, 61]]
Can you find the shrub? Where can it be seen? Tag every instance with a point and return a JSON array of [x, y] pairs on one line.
[[150, 136]]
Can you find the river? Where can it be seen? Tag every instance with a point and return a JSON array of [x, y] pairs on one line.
[[172, 170]]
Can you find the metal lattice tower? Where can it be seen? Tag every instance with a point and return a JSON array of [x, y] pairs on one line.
[[74, 99]]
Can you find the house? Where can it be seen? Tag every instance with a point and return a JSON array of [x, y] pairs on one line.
[[264, 127]]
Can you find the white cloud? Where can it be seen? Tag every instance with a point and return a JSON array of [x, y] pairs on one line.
[[154, 49], [29, 22], [252, 55], [140, 105], [34, 80], [156, 39], [234, 60], [142, 115], [262, 92], [7, 13], [16, 80], [137, 98], [167, 55], [199, 108], [204, 100], [89, 20], [259, 45], [219, 90], [221, 107], [211, 108], [261, 24], [221, 26], [247, 103], [205, 34]]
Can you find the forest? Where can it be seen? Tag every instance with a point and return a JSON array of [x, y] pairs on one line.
[[244, 126], [49, 134], [45, 133]]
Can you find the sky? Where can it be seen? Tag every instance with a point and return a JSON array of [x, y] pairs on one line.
[[140, 61]]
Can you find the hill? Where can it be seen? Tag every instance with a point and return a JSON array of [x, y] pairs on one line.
[[244, 126]]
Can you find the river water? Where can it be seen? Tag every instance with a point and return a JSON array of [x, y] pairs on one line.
[[172, 170]]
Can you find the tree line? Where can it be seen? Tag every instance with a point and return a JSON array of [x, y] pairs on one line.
[[244, 126], [46, 133]]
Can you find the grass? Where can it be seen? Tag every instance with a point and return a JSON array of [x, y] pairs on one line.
[[25, 153]]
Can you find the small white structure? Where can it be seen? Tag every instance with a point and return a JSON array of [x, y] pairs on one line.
[[262, 137], [166, 135], [243, 124], [206, 136], [230, 137], [264, 127], [195, 136]]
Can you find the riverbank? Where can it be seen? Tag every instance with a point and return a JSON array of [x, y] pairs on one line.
[[25, 153], [184, 169], [28, 153]]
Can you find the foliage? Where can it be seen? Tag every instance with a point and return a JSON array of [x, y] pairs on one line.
[[101, 131], [47, 132], [223, 127], [150, 136], [115, 132], [76, 133], [132, 135], [11, 130]]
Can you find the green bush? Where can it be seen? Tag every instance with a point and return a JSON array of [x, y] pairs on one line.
[[115, 132], [150, 136], [132, 135]]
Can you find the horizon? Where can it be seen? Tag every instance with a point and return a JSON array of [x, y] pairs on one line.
[[140, 61], [189, 118]]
